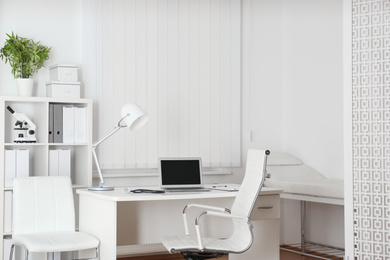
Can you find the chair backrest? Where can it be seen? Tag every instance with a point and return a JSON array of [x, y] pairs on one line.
[[252, 183], [43, 204]]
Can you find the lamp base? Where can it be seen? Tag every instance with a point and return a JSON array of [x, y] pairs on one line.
[[101, 188]]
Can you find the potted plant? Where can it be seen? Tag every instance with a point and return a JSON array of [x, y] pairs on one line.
[[26, 57]]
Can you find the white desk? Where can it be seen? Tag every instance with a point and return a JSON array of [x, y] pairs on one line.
[[136, 222]]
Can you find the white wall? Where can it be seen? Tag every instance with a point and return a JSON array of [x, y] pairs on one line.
[[55, 24], [312, 83], [262, 104], [292, 80]]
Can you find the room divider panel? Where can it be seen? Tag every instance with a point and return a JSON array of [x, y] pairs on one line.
[[371, 128]]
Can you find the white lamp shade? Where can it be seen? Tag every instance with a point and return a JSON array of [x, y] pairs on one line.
[[136, 118]]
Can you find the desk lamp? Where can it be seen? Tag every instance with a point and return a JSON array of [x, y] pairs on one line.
[[133, 117]]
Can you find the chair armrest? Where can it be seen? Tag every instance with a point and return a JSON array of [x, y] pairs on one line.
[[220, 214], [205, 207], [218, 209], [217, 214]]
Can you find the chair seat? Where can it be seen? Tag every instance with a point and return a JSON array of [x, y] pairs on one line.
[[58, 241], [190, 243]]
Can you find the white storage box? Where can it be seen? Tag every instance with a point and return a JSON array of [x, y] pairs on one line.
[[62, 72], [63, 89]]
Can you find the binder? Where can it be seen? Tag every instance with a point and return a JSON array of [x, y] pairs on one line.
[[7, 212], [64, 162], [10, 168], [68, 124], [22, 163], [51, 123], [53, 162], [79, 124], [57, 123], [60, 162], [17, 165]]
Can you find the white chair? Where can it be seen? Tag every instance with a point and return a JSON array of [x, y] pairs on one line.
[[199, 247], [44, 217]]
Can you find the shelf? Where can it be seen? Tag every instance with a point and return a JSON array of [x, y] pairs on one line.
[[37, 109], [43, 99], [67, 144], [25, 144], [76, 186], [43, 144]]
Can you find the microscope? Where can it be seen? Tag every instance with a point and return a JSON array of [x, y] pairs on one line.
[[24, 128]]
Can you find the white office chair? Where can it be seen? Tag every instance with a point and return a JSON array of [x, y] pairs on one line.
[[44, 217], [198, 247]]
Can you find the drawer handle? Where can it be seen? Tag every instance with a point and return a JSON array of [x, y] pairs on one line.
[[265, 207]]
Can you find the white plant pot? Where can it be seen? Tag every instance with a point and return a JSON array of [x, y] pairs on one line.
[[25, 87]]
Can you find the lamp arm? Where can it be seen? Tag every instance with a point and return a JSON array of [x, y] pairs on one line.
[[95, 145]]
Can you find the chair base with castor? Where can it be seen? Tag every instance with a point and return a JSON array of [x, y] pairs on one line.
[[201, 255]]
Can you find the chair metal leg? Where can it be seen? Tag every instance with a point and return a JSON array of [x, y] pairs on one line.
[[97, 255], [13, 246], [11, 254], [26, 254]]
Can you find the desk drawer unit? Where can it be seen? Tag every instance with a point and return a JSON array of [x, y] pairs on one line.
[[266, 207]]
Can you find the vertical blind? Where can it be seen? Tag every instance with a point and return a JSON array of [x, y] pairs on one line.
[[180, 61]]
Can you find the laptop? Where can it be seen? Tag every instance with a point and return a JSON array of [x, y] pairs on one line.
[[181, 174]]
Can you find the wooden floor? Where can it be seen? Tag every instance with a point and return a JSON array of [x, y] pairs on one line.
[[293, 256], [283, 256]]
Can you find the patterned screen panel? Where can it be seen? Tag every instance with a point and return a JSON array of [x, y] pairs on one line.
[[371, 128]]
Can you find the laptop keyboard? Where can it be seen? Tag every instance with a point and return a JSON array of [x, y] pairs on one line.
[[188, 190]]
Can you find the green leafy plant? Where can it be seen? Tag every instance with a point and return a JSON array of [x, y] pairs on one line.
[[24, 55]]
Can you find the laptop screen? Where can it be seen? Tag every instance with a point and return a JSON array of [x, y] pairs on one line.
[[180, 172]]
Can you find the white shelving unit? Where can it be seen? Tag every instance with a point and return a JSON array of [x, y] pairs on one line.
[[37, 110]]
